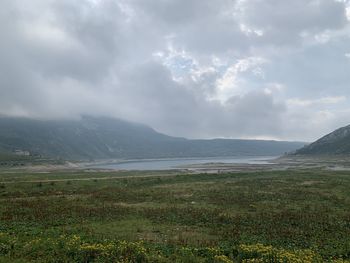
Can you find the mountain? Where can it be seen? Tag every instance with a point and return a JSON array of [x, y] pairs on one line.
[[337, 142], [105, 138]]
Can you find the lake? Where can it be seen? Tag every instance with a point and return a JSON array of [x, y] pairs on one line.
[[179, 163]]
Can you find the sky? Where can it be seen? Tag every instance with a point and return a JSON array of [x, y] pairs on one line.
[[257, 69]]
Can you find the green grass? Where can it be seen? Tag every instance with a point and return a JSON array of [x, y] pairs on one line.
[[176, 216]]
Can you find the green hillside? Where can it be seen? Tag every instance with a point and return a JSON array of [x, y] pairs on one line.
[[337, 142]]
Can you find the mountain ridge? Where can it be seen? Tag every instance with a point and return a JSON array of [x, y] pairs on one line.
[[105, 138]]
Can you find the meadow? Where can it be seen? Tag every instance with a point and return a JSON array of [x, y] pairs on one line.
[[167, 216]]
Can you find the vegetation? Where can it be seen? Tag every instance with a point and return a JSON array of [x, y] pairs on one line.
[[281, 216], [333, 144]]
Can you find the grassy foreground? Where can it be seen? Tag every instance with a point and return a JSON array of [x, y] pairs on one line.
[[282, 216]]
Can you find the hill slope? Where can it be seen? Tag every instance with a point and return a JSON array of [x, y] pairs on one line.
[[337, 142], [101, 138]]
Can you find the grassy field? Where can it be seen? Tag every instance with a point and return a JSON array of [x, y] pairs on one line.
[[281, 216]]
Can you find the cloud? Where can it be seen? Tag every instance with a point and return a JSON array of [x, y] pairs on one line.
[[286, 23], [193, 68], [325, 100]]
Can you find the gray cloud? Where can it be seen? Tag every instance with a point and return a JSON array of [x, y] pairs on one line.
[[200, 69], [285, 23]]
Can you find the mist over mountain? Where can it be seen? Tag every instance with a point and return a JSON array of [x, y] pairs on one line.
[[337, 142], [103, 138]]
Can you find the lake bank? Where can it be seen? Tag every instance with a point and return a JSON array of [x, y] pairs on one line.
[[180, 163]]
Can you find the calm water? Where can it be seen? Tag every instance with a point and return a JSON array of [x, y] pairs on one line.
[[168, 164]]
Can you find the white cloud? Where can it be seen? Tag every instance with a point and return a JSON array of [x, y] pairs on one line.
[[232, 84], [320, 101], [348, 11]]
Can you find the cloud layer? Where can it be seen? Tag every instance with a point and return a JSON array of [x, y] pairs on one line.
[[193, 68]]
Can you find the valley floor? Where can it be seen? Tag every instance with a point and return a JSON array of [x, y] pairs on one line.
[[288, 215]]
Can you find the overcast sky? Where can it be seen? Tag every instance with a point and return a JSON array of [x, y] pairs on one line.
[[195, 68]]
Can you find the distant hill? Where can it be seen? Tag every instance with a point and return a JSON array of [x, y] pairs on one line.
[[337, 142], [103, 138]]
